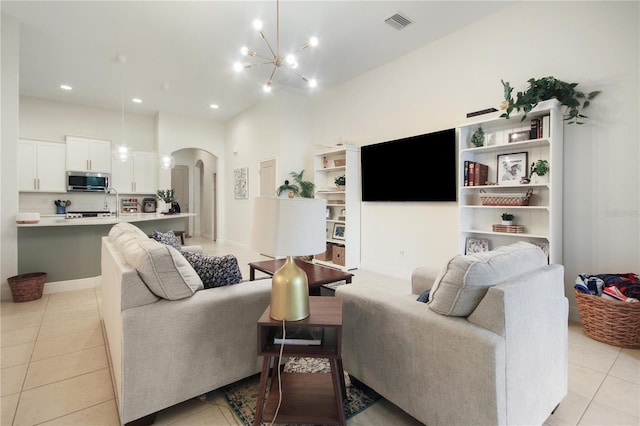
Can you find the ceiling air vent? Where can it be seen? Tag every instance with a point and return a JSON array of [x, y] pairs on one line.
[[398, 21]]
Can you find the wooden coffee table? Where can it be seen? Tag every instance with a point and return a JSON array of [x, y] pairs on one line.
[[316, 274]]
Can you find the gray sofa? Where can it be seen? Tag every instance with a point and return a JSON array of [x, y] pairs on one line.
[[169, 339], [488, 348]]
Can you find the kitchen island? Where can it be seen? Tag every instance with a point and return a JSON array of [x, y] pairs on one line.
[[69, 249]]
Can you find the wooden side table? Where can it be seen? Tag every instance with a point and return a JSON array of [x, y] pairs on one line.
[[314, 398]]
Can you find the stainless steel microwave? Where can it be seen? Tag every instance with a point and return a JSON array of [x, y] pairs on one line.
[[87, 181]]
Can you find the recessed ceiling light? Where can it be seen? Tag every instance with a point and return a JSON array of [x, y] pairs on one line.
[[136, 100], [65, 87], [214, 106]]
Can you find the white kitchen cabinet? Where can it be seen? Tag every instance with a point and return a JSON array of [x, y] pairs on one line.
[[41, 166], [88, 155], [343, 204], [137, 175], [541, 217]]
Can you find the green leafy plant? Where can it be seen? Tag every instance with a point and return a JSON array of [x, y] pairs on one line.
[[301, 187], [166, 195], [507, 217], [540, 167], [477, 139], [287, 187], [340, 180], [548, 88], [62, 203]]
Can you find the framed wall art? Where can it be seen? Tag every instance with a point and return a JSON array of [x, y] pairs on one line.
[[476, 245], [241, 183], [512, 168]]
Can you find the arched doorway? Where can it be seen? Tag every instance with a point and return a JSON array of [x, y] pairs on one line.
[[201, 190]]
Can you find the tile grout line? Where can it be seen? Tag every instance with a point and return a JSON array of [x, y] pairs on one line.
[[24, 379]]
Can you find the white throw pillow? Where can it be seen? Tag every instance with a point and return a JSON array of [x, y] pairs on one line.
[[162, 268], [466, 278]]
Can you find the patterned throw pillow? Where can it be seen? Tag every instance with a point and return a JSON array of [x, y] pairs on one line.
[[168, 238], [215, 271]]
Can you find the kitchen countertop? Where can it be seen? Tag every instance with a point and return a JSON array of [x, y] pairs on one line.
[[60, 220]]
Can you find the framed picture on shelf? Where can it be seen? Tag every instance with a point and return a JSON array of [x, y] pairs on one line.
[[338, 231], [512, 168], [519, 136], [476, 245]]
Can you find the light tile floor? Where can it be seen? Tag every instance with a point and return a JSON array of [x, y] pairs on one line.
[[54, 369]]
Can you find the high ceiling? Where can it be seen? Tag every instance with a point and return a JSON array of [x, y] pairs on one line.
[[180, 54]]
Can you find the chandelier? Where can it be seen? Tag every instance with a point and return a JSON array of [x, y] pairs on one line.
[[289, 62]]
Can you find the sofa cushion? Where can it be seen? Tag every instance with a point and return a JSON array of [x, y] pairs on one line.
[[466, 278], [168, 238], [162, 268], [215, 271], [125, 228]]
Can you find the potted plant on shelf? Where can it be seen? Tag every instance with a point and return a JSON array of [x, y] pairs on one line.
[[540, 168], [507, 219], [340, 182], [477, 139], [167, 195], [301, 187], [546, 88]]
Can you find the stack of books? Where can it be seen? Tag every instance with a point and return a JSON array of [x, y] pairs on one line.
[[475, 174], [514, 229]]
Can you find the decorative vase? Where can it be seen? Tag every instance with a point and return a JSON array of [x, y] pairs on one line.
[[540, 179], [61, 210], [339, 187], [325, 163], [507, 222]]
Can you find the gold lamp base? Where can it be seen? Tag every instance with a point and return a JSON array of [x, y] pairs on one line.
[[289, 293]]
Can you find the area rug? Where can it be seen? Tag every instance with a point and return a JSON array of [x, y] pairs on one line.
[[242, 395]]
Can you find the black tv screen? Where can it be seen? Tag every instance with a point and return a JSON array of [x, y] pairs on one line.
[[417, 168]]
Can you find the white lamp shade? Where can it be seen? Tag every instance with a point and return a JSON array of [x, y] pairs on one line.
[[289, 226]]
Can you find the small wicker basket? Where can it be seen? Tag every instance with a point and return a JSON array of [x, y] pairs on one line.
[[27, 287], [505, 199], [610, 321]]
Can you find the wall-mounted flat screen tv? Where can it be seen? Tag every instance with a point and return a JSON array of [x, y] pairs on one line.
[[417, 168]]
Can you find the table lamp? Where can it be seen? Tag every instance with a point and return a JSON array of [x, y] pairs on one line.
[[289, 227]]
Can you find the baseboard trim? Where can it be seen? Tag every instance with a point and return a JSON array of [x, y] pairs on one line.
[[59, 286]]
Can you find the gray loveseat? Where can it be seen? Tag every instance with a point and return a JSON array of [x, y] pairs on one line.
[[489, 348], [169, 339]]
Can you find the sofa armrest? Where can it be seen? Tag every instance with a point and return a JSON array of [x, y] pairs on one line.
[[531, 312], [422, 279]]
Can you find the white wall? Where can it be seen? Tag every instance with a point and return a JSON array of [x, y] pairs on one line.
[[278, 127], [8, 151], [43, 119], [434, 87]]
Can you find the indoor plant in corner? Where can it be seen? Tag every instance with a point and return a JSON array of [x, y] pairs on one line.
[[546, 88], [340, 182]]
